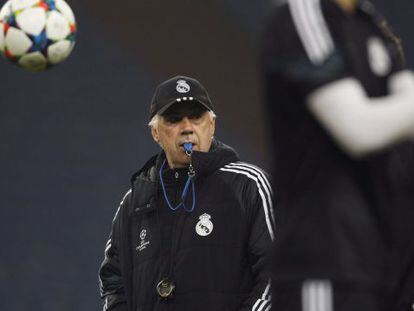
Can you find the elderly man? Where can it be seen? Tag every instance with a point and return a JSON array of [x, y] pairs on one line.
[[193, 231]]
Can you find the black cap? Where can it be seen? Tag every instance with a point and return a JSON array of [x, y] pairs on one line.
[[176, 90]]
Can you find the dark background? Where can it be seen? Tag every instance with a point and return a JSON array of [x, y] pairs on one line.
[[71, 137]]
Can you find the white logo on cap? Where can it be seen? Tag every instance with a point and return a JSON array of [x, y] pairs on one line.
[[182, 86]]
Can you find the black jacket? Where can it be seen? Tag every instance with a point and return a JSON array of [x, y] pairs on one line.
[[215, 255]]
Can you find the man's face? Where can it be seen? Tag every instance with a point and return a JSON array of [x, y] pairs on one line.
[[181, 123]]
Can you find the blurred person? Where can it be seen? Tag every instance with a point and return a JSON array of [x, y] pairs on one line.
[[193, 231], [401, 169], [341, 106]]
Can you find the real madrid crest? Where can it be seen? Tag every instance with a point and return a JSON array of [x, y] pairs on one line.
[[204, 227], [378, 57], [182, 86]]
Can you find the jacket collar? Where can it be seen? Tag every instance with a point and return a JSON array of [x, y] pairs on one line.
[[205, 163]]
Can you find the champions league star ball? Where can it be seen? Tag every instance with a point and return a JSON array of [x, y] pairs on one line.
[[36, 34]]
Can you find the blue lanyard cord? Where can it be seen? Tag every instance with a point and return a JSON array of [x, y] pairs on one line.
[[190, 179], [183, 195]]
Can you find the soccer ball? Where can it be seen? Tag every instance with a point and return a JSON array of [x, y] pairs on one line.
[[36, 34]]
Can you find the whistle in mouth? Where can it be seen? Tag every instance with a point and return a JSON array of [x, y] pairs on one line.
[[188, 148]]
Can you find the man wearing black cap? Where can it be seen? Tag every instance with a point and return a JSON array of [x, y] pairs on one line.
[[193, 231]]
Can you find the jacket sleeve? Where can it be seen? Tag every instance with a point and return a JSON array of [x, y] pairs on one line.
[[261, 235], [110, 277]]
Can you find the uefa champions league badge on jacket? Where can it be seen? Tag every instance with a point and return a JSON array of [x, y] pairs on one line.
[[143, 241], [204, 226], [182, 86], [378, 57]]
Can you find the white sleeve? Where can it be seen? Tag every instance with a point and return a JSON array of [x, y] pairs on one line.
[[362, 125]]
